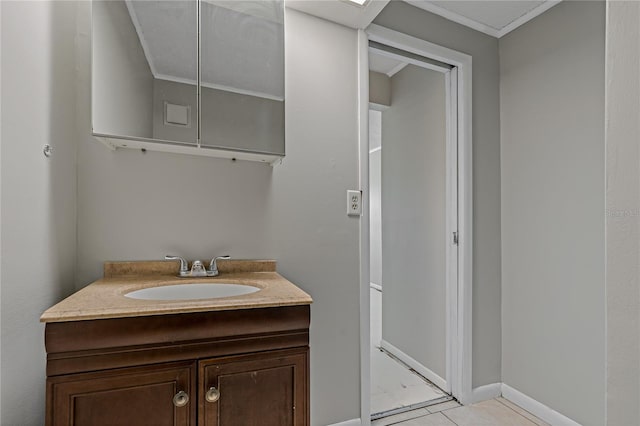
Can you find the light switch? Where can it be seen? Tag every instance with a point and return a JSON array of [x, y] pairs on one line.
[[176, 114]]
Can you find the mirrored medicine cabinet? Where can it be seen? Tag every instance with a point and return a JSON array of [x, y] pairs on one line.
[[201, 77]]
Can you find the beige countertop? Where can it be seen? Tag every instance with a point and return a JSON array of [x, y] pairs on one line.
[[105, 298]]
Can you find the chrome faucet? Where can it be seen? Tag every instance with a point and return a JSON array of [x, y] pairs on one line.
[[213, 266], [197, 268]]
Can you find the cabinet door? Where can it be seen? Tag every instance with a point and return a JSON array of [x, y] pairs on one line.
[[242, 75], [145, 71], [267, 389], [132, 396]]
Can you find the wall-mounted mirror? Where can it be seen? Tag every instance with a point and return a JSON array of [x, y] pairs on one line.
[[242, 74], [156, 85]]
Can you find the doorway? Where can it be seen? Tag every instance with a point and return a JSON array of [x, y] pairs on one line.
[[409, 235], [417, 176]]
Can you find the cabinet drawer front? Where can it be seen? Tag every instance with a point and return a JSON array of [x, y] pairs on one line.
[[268, 389], [140, 396]]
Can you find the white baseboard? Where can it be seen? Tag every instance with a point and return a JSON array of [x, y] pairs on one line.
[[352, 422], [486, 392], [421, 369], [536, 408]]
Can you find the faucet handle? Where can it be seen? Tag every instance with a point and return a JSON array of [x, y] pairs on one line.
[[184, 266], [213, 266]]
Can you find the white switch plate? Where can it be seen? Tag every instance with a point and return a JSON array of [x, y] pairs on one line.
[[354, 203]]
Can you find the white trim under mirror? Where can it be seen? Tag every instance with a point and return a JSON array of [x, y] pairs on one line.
[[114, 143]]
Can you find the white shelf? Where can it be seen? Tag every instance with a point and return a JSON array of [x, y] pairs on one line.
[[114, 143]]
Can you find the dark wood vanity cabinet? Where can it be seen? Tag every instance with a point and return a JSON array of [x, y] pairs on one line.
[[229, 368], [255, 390], [142, 396]]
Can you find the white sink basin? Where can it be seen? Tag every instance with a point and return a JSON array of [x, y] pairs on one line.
[[192, 291]]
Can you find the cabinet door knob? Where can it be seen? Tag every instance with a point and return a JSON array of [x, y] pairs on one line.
[[212, 395], [180, 399]]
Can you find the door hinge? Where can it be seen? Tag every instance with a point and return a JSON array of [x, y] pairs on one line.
[[455, 237]]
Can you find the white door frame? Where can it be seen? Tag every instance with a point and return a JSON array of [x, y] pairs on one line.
[[459, 280]]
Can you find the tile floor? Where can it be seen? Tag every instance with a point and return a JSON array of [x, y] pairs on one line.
[[495, 412], [393, 385]]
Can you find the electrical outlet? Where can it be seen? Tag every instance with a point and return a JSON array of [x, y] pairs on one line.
[[354, 203]]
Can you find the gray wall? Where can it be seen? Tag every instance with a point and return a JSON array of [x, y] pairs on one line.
[[402, 17], [316, 244], [123, 82], [38, 194], [552, 103], [375, 201], [414, 136], [228, 119], [379, 88], [0, 214], [623, 213], [243, 122], [143, 206]]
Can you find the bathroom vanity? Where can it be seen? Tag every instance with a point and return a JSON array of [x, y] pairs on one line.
[[241, 360]]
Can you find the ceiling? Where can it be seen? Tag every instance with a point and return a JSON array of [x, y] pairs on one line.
[[242, 43], [495, 18], [385, 64]]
